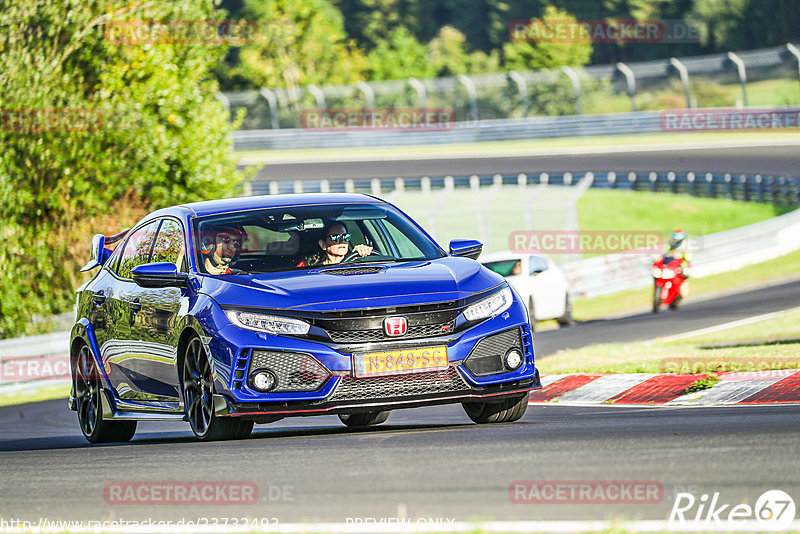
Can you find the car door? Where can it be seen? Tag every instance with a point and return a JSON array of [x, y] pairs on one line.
[[124, 305], [154, 338], [102, 310], [546, 288]]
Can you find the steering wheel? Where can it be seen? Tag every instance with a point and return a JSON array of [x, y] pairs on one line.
[[354, 254]]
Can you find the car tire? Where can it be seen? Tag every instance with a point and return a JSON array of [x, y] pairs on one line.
[[531, 314], [89, 406], [197, 388], [506, 411], [566, 319], [355, 420]]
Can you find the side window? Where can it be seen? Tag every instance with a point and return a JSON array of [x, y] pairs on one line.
[[404, 245], [536, 264], [170, 244], [137, 248]]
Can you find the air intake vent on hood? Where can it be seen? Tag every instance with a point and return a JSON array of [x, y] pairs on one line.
[[345, 271]]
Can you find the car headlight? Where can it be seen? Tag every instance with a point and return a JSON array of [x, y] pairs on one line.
[[271, 324], [490, 306]]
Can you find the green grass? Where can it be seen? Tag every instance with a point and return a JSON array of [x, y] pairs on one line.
[[769, 93], [704, 383], [781, 268], [757, 350], [603, 209], [55, 391], [776, 93]]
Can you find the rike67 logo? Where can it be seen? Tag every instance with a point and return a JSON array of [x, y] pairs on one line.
[[774, 510]]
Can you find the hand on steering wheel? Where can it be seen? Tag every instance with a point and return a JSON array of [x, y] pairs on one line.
[[359, 252]]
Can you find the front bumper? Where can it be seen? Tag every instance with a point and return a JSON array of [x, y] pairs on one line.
[[233, 351], [352, 395]]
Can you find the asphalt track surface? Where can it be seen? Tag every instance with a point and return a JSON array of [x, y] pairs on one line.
[[691, 316], [426, 462], [777, 160]]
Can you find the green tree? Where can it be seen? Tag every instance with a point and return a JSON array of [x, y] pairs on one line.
[[720, 19], [448, 55], [527, 53], [94, 133], [298, 42], [402, 56]]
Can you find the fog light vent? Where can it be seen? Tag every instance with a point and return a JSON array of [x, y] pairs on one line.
[[490, 354], [292, 371]]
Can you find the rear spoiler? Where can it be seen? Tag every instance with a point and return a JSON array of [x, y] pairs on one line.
[[98, 250]]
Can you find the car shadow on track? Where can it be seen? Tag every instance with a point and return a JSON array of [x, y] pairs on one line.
[[154, 438]]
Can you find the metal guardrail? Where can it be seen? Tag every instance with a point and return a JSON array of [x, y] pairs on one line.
[[712, 254], [745, 187], [463, 132], [519, 94], [33, 362]]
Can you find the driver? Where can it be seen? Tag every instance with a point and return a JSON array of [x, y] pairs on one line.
[[222, 245], [334, 245]]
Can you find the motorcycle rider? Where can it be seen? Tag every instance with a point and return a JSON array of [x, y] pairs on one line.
[[678, 248]]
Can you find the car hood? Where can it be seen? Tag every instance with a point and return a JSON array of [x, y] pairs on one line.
[[399, 284]]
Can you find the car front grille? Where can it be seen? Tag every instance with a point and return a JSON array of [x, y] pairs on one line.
[[413, 332], [446, 381]]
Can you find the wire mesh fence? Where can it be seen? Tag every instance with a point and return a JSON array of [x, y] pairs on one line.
[[655, 85]]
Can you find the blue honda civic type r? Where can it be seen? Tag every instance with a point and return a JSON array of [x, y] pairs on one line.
[[233, 312]]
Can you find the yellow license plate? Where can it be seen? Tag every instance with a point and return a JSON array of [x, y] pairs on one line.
[[400, 361]]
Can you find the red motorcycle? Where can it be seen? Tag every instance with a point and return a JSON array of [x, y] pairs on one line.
[[668, 277]]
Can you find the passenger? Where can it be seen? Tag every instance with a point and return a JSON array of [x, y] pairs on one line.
[[222, 245], [334, 245]]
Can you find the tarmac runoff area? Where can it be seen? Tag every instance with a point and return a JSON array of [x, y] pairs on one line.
[[747, 388]]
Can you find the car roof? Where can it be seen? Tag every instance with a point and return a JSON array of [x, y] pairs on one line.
[[225, 205]]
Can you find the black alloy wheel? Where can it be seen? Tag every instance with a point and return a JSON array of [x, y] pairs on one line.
[[198, 397], [89, 406]]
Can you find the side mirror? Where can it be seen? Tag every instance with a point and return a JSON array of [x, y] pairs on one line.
[[98, 251], [467, 248], [159, 274]]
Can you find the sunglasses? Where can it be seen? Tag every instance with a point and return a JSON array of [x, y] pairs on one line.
[[339, 238], [227, 240]]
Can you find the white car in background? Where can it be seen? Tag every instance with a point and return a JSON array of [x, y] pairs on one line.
[[538, 280]]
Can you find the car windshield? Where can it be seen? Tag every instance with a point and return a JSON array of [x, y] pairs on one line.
[[302, 237], [504, 267]]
